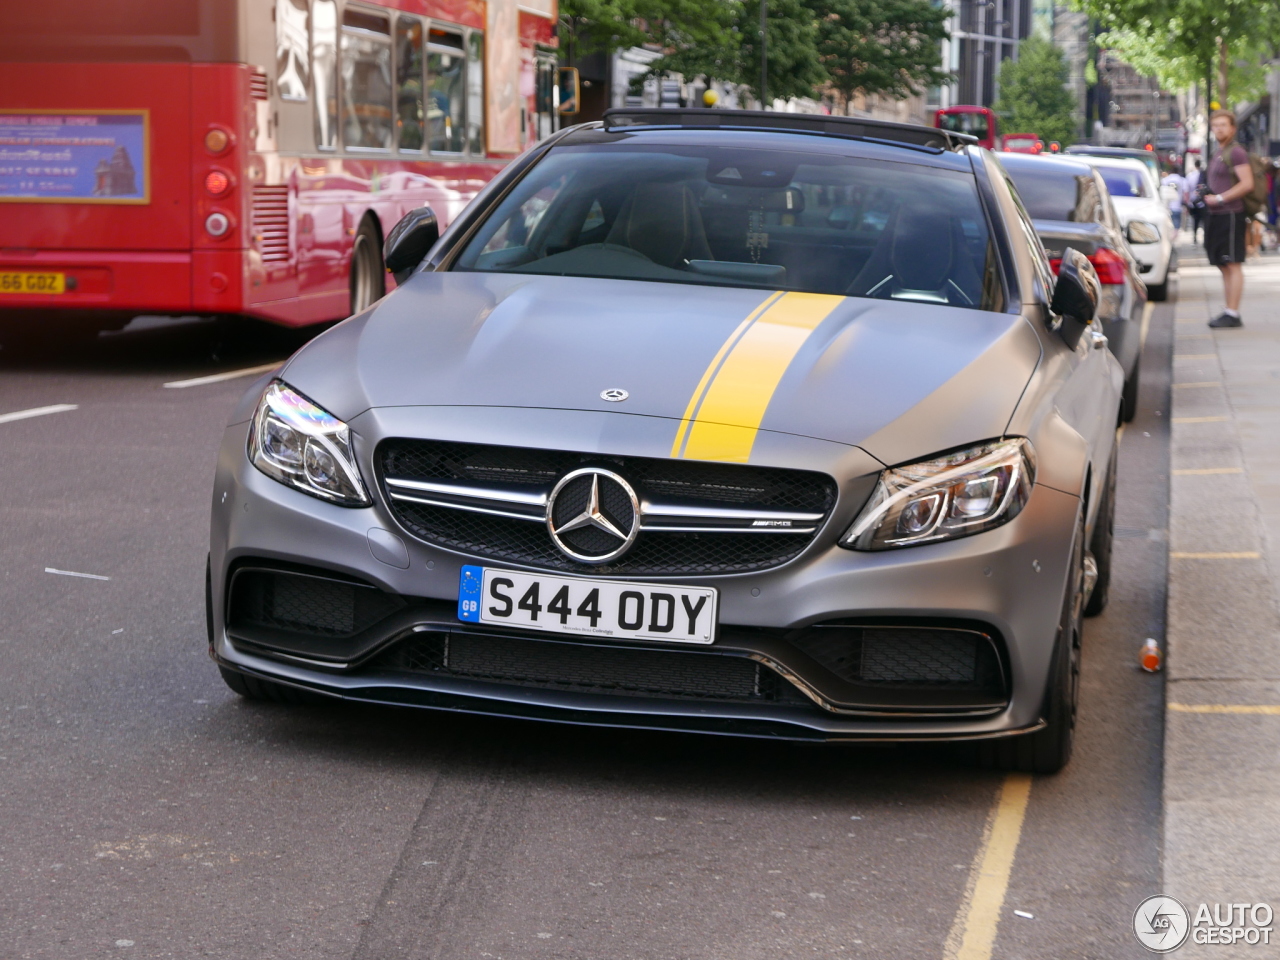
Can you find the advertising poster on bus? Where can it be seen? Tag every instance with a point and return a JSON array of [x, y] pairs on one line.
[[74, 157]]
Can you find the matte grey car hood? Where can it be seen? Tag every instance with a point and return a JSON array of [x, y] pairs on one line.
[[899, 379]]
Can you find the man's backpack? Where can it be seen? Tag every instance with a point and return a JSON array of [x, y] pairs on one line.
[[1255, 200]]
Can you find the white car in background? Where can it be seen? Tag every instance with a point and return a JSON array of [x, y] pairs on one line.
[[1145, 218]]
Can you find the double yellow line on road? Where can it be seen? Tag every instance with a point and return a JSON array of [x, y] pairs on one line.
[[973, 934]]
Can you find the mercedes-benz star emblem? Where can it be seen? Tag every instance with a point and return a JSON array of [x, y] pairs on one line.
[[614, 395], [593, 515]]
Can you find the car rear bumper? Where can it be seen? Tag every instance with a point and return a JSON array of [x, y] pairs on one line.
[[1006, 585]]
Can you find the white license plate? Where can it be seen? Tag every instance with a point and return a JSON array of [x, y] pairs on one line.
[[593, 608]]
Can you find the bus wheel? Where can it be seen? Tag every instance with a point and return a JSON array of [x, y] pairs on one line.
[[368, 276]]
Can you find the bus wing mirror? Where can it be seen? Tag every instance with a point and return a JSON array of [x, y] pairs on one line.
[[569, 91], [409, 241], [1075, 295]]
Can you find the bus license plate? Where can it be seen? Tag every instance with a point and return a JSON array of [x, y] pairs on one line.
[[23, 282], [594, 608]]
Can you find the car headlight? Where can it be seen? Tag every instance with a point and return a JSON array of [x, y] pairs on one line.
[[951, 496], [304, 447]]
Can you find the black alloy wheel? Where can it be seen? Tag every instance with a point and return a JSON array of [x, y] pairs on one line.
[[1129, 395], [1103, 541]]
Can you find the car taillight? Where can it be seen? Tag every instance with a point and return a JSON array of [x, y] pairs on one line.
[[1108, 264]]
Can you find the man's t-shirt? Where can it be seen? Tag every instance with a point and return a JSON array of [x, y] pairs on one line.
[[1220, 178], [1172, 187]]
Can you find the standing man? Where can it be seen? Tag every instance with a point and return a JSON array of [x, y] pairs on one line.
[[1228, 178]]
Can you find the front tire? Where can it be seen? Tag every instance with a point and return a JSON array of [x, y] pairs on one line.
[[1129, 395], [1049, 749], [368, 276], [1103, 542]]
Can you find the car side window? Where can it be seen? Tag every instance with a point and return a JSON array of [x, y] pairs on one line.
[[1039, 258]]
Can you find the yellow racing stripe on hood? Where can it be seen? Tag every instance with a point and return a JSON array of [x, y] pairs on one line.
[[726, 409]]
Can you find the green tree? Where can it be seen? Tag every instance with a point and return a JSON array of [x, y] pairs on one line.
[[794, 67], [857, 46], [1219, 42], [889, 47], [1033, 94]]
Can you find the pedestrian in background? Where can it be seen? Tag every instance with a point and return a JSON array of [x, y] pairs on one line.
[[1194, 201], [1172, 188], [1227, 179]]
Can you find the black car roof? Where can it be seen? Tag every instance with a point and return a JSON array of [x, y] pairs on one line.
[[855, 128]]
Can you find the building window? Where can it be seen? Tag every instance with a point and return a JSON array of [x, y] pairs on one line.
[[366, 79], [409, 105]]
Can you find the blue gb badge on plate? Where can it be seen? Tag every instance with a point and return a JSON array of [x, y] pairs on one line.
[[469, 586]]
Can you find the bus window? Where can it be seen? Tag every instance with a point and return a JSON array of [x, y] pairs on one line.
[[409, 112], [324, 66], [366, 79], [446, 70], [475, 93], [292, 62]]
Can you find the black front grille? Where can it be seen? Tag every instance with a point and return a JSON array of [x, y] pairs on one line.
[[904, 656], [618, 671], [654, 552]]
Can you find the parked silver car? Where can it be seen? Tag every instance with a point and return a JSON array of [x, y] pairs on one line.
[[745, 423]]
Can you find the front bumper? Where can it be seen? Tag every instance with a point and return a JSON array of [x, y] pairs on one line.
[[1007, 583], [1154, 259]]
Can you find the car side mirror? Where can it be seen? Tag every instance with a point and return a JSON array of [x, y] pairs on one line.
[[1139, 231], [409, 241], [1075, 295]]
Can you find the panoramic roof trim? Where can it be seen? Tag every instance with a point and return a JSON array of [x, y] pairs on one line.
[[853, 128]]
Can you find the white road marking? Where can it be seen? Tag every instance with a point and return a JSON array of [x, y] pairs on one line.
[[72, 573], [37, 412], [1148, 308], [219, 377]]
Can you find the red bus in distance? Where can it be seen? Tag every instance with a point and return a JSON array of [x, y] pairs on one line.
[[979, 122], [247, 156]]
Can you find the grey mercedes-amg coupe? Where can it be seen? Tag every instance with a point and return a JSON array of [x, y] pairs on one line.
[[734, 422]]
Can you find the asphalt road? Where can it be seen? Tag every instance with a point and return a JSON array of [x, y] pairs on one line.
[[146, 811]]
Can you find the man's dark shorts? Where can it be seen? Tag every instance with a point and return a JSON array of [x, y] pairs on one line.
[[1224, 237]]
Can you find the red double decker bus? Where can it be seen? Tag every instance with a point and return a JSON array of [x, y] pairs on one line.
[[967, 118], [246, 156]]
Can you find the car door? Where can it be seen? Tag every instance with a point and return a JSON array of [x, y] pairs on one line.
[[1088, 398]]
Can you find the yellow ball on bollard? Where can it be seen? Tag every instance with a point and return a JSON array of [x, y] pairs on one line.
[[710, 98]]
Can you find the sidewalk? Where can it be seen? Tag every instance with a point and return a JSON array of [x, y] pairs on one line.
[[1222, 732]]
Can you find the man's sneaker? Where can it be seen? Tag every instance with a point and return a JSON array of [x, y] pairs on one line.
[[1225, 320]]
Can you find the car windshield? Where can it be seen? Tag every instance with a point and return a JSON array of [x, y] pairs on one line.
[[1050, 193], [811, 222], [1125, 181]]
